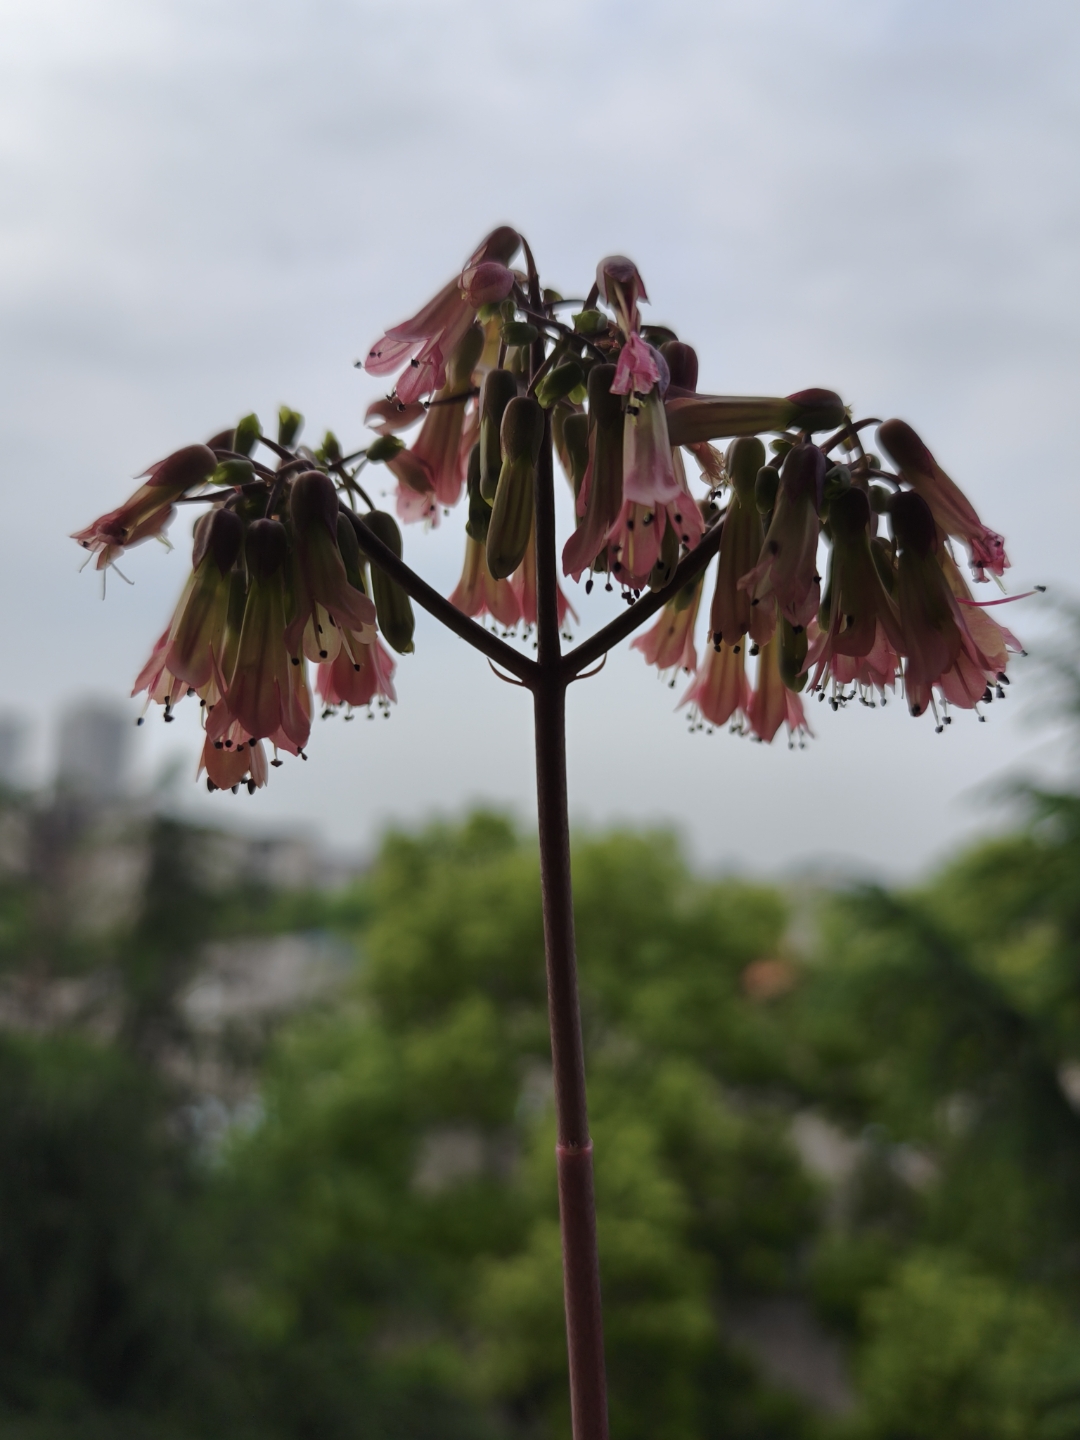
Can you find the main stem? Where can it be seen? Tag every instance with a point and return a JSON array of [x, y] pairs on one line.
[[573, 1149]]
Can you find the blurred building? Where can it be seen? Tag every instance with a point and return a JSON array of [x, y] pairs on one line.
[[94, 752], [13, 733]]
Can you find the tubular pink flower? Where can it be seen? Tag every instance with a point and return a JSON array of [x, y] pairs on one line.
[[669, 645], [150, 509], [649, 473], [320, 570], [388, 416], [415, 499], [860, 612], [523, 584], [721, 691], [787, 567], [950, 506], [600, 499], [637, 371], [440, 447], [233, 760], [430, 337], [772, 704], [358, 675], [161, 685], [197, 634], [479, 593]]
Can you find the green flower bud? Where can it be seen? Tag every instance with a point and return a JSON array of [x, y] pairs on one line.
[[837, 480], [793, 648], [219, 534], [605, 409], [745, 458], [476, 526], [575, 430], [248, 432], [590, 322], [765, 487], [289, 425], [385, 448], [500, 387], [666, 561], [521, 435], [463, 361], [559, 383], [349, 546], [232, 472], [330, 449], [551, 297], [392, 605], [518, 332]]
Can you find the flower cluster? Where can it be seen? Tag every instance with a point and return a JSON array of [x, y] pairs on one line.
[[836, 569], [278, 580]]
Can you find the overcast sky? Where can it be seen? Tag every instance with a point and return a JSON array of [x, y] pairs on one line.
[[213, 206]]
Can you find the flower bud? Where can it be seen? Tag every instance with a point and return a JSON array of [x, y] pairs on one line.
[[330, 449], [500, 387], [486, 283], [766, 485], [233, 472], [499, 245], [559, 383], [289, 425], [265, 548], [576, 444], [518, 332], [392, 605], [682, 363], [522, 430], [817, 410], [464, 359], [313, 500], [803, 473], [521, 435], [849, 511], [837, 481], [913, 524], [590, 322], [744, 460], [351, 557], [692, 419], [247, 434], [605, 409], [219, 534], [384, 448], [880, 499], [476, 526], [183, 469]]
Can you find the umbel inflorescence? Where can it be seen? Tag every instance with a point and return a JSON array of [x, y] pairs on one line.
[[294, 565]]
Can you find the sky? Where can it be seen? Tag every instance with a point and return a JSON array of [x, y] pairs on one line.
[[209, 207]]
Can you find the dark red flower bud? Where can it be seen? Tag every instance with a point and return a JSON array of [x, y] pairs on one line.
[[184, 469], [221, 533], [818, 409], [265, 547], [313, 499], [849, 514], [803, 473], [682, 362]]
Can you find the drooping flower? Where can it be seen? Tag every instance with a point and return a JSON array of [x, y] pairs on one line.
[[949, 505], [669, 645], [320, 569], [638, 370], [772, 703], [233, 760], [358, 675], [388, 416], [599, 500], [787, 567], [150, 509], [266, 693], [938, 645], [721, 691], [656, 497], [858, 617], [733, 614], [441, 447], [479, 593], [430, 337], [197, 634], [620, 285]]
